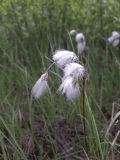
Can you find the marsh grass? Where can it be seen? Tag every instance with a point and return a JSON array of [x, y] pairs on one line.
[[52, 127]]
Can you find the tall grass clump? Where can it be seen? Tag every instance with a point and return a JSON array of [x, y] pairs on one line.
[[52, 127]]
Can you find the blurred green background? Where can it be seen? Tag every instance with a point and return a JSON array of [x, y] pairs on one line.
[[30, 31]]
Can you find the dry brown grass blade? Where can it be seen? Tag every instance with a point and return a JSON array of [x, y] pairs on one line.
[[112, 122]]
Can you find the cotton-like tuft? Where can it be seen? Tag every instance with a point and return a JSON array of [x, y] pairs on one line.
[[70, 88], [76, 70], [63, 57], [73, 32], [114, 39], [80, 39], [41, 86], [81, 47]]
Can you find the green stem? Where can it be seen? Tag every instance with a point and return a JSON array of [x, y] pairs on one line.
[[84, 115], [50, 66]]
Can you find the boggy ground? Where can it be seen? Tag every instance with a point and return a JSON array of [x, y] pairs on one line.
[[64, 141]]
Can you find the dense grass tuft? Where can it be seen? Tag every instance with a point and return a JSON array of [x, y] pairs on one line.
[[52, 127]]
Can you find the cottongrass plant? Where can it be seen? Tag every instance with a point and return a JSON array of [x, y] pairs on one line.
[[73, 72], [41, 86], [80, 40], [73, 32], [114, 39], [63, 57], [74, 69], [81, 43], [70, 88]]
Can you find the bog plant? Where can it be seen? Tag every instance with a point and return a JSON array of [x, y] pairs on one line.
[[73, 72], [29, 32]]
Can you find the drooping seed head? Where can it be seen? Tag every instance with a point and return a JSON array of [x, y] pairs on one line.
[[114, 39], [69, 88], [73, 32], [76, 70], [41, 86], [81, 43], [63, 57]]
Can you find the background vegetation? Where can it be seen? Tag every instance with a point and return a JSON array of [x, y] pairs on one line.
[[52, 128]]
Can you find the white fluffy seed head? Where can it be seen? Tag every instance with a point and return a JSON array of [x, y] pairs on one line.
[[116, 42], [114, 39], [73, 32], [41, 86], [80, 39], [76, 70], [81, 47], [63, 57], [115, 34], [69, 88]]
